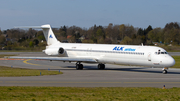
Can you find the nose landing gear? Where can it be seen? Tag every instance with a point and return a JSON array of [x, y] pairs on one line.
[[164, 70]]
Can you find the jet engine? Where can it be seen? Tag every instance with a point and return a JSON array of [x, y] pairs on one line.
[[55, 51], [61, 51]]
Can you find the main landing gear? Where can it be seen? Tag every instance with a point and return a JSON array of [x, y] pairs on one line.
[[164, 70], [101, 66], [79, 66]]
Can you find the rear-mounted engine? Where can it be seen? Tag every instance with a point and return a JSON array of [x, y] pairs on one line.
[[55, 51]]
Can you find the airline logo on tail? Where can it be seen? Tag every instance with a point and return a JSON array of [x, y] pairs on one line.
[[50, 36]]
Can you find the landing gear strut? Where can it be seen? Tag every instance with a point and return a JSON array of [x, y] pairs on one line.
[[101, 66], [164, 70], [79, 66]]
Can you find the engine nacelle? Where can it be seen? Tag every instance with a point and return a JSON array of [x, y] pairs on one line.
[[61, 51], [55, 51]]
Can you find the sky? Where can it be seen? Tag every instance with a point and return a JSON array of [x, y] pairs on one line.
[[87, 13]]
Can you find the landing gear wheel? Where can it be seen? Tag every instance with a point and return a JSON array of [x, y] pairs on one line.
[[164, 72], [79, 66], [101, 66]]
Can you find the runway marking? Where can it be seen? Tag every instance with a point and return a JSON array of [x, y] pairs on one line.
[[53, 82], [26, 62], [48, 82]]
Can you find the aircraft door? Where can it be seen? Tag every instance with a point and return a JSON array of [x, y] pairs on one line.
[[149, 56]]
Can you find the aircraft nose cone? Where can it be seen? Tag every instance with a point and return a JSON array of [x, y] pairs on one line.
[[170, 62], [173, 62]]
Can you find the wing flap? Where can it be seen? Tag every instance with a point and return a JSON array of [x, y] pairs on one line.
[[58, 58]]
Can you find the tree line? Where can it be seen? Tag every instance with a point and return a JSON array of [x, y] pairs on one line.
[[20, 39]]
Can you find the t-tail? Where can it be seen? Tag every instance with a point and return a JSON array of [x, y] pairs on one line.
[[48, 33]]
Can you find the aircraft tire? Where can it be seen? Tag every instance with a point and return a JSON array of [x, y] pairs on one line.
[[79, 66], [164, 72], [101, 66]]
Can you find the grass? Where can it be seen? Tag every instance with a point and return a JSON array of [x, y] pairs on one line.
[[88, 94], [20, 50], [15, 72], [3, 55]]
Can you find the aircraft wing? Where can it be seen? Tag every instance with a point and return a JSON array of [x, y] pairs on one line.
[[74, 59]]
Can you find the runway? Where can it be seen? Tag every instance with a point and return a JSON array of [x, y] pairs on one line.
[[112, 76]]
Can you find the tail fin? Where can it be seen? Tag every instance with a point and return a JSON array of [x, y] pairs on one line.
[[48, 33]]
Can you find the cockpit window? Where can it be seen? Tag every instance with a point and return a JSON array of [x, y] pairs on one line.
[[161, 53]]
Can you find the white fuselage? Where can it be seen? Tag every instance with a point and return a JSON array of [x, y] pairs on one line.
[[115, 54]]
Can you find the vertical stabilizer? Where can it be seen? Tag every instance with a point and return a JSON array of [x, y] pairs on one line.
[[49, 35]]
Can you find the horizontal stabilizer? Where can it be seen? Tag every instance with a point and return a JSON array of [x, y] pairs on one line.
[[35, 27], [48, 33]]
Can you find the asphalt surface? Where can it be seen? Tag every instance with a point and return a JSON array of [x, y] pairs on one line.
[[112, 76]]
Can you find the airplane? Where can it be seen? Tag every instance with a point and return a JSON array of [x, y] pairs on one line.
[[102, 53]]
